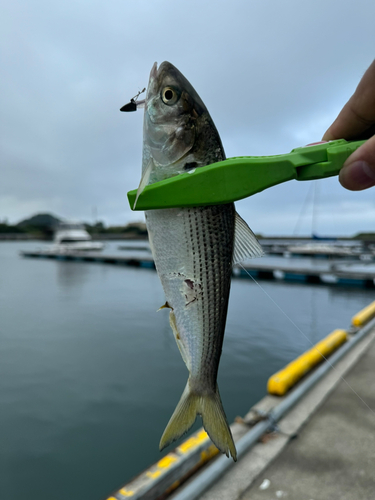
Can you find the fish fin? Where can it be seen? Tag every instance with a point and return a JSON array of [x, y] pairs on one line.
[[216, 425], [245, 243], [209, 406], [144, 181], [177, 336], [165, 306]]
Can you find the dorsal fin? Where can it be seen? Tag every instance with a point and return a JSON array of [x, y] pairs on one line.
[[246, 246]]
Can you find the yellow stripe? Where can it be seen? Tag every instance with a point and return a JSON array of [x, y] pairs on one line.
[[364, 316], [126, 493], [286, 378], [161, 467], [193, 442], [211, 452], [166, 462], [153, 474]]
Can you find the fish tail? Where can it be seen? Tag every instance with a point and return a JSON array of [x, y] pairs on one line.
[[214, 420]]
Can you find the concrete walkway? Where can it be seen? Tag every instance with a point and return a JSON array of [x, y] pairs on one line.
[[324, 448], [334, 455]]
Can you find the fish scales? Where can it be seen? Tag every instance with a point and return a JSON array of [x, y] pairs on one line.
[[195, 270], [193, 248]]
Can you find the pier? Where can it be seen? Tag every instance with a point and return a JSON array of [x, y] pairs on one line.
[[317, 441], [340, 443], [323, 272], [323, 448]]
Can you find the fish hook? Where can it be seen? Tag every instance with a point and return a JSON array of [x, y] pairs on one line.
[[133, 104]]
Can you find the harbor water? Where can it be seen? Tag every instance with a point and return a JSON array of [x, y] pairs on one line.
[[90, 372]]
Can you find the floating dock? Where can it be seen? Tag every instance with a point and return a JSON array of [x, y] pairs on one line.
[[131, 260], [324, 272], [338, 249]]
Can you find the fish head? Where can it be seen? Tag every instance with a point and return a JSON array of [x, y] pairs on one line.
[[176, 126]]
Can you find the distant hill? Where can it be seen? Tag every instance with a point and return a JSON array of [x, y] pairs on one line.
[[365, 236], [46, 221], [43, 226]]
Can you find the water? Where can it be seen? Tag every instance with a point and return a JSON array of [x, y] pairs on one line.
[[90, 373]]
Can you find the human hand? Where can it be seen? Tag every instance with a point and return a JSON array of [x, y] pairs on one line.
[[356, 121]]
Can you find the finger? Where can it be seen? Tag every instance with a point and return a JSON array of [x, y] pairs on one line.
[[349, 124], [358, 171], [358, 114]]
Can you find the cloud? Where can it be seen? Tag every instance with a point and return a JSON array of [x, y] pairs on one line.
[[273, 76]]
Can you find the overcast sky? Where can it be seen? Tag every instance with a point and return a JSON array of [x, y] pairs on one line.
[[273, 75]]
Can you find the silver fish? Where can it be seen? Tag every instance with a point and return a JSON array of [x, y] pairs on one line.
[[194, 248]]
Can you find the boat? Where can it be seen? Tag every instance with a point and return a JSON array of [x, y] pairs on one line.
[[72, 237]]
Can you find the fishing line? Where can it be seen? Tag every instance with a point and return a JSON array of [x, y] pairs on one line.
[[307, 338]]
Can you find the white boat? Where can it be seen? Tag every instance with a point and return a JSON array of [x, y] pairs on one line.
[[73, 237], [322, 249]]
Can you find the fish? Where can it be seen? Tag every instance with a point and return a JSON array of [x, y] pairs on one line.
[[194, 249]]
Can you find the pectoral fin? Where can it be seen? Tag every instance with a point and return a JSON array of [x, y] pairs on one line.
[[144, 180], [180, 344], [245, 243], [165, 306]]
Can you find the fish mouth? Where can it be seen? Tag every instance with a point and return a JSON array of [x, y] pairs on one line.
[[152, 81], [154, 70], [152, 93], [156, 76], [151, 89]]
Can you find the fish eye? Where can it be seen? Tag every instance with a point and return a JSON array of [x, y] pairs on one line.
[[169, 96]]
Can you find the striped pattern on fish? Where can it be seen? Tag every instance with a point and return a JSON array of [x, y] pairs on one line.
[[193, 251], [193, 248]]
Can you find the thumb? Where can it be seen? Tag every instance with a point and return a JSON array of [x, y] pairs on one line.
[[358, 171]]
